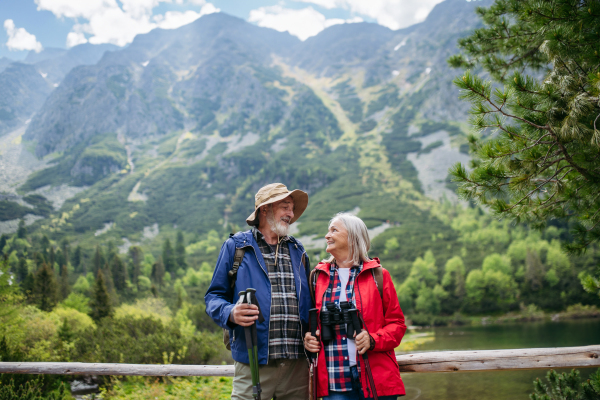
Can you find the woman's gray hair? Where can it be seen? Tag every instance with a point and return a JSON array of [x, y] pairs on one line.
[[359, 242]]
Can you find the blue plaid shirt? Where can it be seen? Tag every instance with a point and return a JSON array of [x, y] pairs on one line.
[[336, 351]]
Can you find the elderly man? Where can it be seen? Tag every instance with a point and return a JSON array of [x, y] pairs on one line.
[[276, 265]]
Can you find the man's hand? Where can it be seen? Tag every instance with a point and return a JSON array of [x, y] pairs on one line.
[[244, 314], [311, 343], [363, 342]]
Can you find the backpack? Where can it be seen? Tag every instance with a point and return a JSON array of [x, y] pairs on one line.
[[238, 256], [377, 273]]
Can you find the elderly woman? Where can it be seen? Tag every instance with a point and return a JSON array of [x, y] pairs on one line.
[[350, 275]]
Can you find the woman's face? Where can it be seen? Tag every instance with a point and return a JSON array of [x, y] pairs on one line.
[[337, 238]]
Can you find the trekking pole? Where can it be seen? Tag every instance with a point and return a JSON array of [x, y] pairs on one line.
[[251, 294], [251, 336], [358, 328], [314, 357]]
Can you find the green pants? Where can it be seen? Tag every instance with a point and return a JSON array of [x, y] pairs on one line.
[[285, 379]]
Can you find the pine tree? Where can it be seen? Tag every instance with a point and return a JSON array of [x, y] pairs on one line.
[[100, 304], [98, 261], [28, 287], [111, 250], [65, 288], [44, 245], [59, 258], [158, 272], [119, 272], [45, 289], [537, 153], [21, 230], [136, 254], [168, 257], [108, 279], [567, 386], [76, 261], [39, 260], [22, 270], [65, 251], [3, 240], [180, 251], [51, 257]]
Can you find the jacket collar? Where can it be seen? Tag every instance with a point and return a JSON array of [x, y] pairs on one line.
[[246, 238], [373, 263]]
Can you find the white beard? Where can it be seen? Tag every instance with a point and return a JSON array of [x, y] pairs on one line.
[[278, 227]]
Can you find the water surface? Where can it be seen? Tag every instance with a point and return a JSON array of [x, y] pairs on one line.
[[496, 385]]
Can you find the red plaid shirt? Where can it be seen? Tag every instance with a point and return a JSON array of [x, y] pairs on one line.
[[336, 351]]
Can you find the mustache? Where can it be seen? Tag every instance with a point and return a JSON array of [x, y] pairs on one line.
[[287, 220]]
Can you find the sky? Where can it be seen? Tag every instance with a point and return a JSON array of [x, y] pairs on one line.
[[33, 25]]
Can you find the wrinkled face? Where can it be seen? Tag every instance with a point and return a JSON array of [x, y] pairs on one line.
[[279, 215], [337, 238]]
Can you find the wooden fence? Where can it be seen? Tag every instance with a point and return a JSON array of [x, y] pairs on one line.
[[442, 361]]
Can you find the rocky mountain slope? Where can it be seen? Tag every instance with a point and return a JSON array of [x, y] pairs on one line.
[[24, 86], [180, 128]]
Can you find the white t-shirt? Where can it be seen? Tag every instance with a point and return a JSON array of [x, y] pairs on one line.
[[344, 274]]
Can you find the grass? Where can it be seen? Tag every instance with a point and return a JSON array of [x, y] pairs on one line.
[[209, 388]]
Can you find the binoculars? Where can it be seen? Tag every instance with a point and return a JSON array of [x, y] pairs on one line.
[[334, 315]]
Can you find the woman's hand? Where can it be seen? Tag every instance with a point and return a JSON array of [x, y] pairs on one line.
[[311, 343], [363, 342]]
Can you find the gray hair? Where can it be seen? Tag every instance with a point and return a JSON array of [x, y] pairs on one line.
[[359, 242]]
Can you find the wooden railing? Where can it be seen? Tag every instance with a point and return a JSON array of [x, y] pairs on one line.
[[442, 361]]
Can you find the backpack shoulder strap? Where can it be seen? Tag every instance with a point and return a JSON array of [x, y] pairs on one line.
[[237, 261], [378, 277]]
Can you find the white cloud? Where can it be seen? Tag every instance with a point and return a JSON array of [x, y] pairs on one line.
[[394, 14], [175, 19], [302, 23], [75, 8], [109, 21], [20, 39], [328, 4], [75, 38]]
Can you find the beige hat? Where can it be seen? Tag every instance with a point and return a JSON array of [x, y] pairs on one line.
[[274, 192]]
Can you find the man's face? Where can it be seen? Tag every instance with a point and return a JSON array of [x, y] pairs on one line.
[[283, 210], [279, 215]]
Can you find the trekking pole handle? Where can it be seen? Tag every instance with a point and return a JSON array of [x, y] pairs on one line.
[[312, 323]]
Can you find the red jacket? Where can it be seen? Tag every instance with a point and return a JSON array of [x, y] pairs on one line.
[[384, 322]]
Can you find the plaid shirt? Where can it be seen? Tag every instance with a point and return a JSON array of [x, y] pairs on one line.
[[285, 337], [336, 351]]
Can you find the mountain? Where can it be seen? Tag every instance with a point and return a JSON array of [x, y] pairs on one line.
[[54, 68], [180, 128], [46, 54], [5, 62], [163, 81], [24, 86], [23, 91]]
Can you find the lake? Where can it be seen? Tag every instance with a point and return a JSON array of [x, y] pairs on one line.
[[494, 385]]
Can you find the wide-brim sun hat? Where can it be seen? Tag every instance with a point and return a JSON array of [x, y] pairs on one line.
[[274, 192]]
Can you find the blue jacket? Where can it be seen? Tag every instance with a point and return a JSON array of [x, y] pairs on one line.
[[252, 273]]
